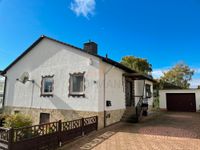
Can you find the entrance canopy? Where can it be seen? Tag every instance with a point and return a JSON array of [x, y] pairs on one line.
[[139, 76]]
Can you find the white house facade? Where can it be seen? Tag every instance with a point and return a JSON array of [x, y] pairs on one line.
[[1, 92], [66, 83]]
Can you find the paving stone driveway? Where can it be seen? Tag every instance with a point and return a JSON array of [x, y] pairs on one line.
[[160, 131]]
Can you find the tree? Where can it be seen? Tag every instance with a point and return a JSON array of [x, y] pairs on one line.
[[138, 64], [179, 75]]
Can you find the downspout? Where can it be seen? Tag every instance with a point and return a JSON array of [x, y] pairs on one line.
[[104, 93], [144, 90]]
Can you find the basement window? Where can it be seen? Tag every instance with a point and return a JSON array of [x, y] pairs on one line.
[[76, 84], [47, 86], [16, 112], [44, 118]]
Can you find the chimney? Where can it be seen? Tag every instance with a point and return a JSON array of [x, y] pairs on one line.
[[91, 47]]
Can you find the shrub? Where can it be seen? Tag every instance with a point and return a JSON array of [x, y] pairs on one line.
[[2, 119], [17, 120], [156, 103]]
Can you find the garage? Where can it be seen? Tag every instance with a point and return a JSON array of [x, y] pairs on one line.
[[181, 102], [184, 100]]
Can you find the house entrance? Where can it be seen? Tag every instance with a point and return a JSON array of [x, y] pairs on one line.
[[129, 93]]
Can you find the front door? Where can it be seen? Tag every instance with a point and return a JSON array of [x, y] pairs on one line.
[[128, 93]]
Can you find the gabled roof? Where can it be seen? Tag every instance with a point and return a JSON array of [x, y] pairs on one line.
[[107, 60]]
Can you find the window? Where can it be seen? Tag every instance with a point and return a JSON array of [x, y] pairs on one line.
[[1, 86], [76, 84], [47, 86], [148, 91], [44, 118], [16, 112], [1, 99]]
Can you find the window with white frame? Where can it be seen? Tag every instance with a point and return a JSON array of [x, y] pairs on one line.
[[148, 91], [47, 86], [1, 86], [76, 84], [1, 99]]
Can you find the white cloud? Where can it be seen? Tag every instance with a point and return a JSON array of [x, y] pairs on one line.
[[194, 83], [196, 70], [157, 73], [83, 7]]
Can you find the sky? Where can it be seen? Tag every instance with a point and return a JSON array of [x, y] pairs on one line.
[[164, 32]]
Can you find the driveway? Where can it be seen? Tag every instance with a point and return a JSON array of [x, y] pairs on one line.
[[163, 130]]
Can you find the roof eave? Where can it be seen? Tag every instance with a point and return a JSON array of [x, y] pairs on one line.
[[22, 55], [139, 76], [114, 63]]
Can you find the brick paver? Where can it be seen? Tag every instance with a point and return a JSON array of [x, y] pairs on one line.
[[160, 131]]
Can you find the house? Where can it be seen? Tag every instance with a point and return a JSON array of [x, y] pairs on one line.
[[186, 100], [1, 91], [54, 81]]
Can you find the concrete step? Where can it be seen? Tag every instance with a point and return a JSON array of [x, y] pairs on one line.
[[129, 114], [132, 119]]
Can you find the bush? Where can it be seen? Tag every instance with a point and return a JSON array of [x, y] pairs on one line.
[[2, 119], [17, 120], [156, 103]]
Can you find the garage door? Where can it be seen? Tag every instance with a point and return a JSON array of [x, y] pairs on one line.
[[181, 102]]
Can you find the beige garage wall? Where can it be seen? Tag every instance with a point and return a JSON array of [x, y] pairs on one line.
[[162, 96]]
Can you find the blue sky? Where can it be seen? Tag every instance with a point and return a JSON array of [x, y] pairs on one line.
[[165, 32]]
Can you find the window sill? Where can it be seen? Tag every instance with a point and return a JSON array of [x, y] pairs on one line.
[[46, 95], [149, 97], [76, 95]]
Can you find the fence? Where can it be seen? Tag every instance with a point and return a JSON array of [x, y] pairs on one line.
[[4, 138], [46, 136]]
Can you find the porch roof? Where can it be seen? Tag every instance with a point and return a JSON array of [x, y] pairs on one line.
[[139, 76]]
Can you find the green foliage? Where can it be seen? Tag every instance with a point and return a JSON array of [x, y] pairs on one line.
[[156, 104], [138, 64], [3, 116], [179, 75], [17, 120]]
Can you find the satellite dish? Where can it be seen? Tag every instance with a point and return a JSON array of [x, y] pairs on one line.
[[24, 77]]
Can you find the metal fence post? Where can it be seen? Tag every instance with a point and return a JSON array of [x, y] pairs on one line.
[[10, 138], [59, 132], [96, 122], [82, 126]]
